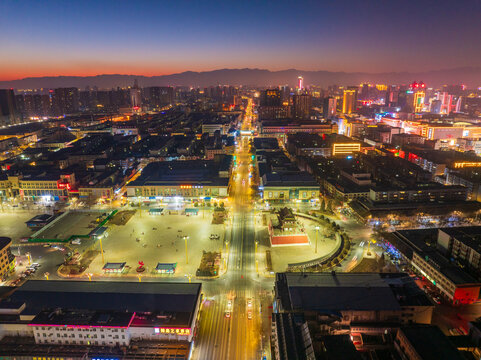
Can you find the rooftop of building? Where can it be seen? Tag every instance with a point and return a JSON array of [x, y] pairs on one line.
[[430, 343], [83, 318], [339, 347], [4, 242], [175, 302], [423, 242], [444, 156], [332, 292], [419, 186], [189, 172], [298, 178], [266, 143], [468, 235], [306, 140], [40, 218]]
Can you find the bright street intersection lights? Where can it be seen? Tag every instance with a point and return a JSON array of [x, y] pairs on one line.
[[317, 230]]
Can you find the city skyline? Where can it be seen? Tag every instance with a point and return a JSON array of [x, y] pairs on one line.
[[151, 38]]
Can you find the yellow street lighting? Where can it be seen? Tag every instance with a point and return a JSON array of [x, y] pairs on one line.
[[186, 254], [317, 230], [101, 250], [140, 277], [46, 275]]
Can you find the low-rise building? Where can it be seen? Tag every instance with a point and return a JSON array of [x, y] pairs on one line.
[[353, 303], [425, 342], [429, 252], [98, 313], [286, 186], [183, 179], [7, 259]]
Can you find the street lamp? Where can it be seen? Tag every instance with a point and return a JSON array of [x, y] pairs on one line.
[[46, 275], [101, 250], [90, 276], [186, 255], [317, 230], [29, 257]]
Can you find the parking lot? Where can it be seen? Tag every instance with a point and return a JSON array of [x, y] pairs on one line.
[[12, 223], [72, 223]]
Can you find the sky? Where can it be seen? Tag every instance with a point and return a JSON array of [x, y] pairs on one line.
[[52, 38]]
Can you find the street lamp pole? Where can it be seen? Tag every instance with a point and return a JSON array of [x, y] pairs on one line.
[[317, 229], [186, 255], [101, 250]]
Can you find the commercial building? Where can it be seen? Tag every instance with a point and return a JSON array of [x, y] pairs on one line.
[[368, 303], [427, 251], [349, 100], [282, 128], [7, 259], [419, 193], [190, 179], [49, 186], [301, 106], [329, 108], [286, 186], [323, 145], [96, 313]]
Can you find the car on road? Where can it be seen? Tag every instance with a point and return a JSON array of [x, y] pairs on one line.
[[24, 239], [76, 242]]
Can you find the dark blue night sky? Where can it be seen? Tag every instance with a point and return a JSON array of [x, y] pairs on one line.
[[40, 38]]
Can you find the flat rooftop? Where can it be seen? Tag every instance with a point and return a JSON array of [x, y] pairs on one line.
[[83, 318], [190, 172], [175, 302], [300, 178], [341, 291], [430, 343], [468, 235]]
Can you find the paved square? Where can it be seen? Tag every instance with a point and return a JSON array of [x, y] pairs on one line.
[[160, 240]]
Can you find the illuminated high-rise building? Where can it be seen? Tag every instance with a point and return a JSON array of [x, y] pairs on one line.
[[271, 97], [349, 100], [329, 107], [65, 101], [136, 95], [301, 105], [418, 94], [300, 83], [446, 102], [8, 109], [418, 102]]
